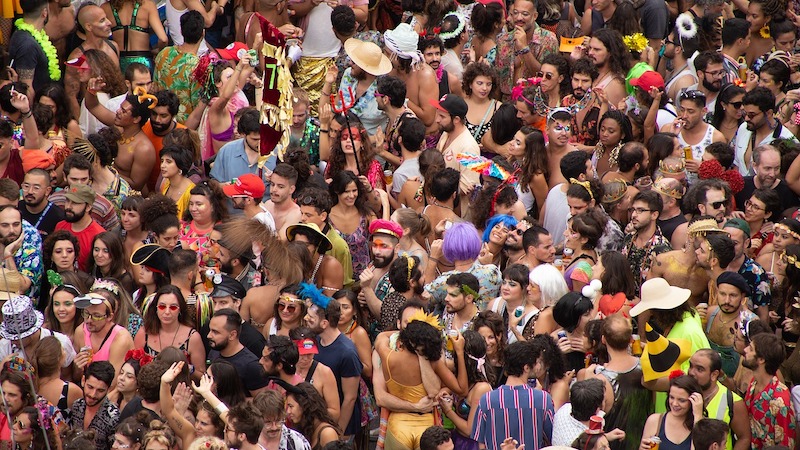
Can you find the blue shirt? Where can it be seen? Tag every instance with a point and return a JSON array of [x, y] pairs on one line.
[[519, 412], [231, 162]]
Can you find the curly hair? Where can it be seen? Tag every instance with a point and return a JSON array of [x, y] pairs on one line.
[[50, 243], [102, 66], [485, 205], [561, 63], [314, 408], [422, 334], [619, 58], [494, 322], [552, 357], [213, 192], [159, 213], [337, 160], [480, 69]]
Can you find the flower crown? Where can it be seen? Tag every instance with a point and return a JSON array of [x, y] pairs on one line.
[[107, 285], [428, 318], [519, 89], [445, 35], [786, 229], [635, 42], [140, 356]]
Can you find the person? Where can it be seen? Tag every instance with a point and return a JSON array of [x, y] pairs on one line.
[[761, 294], [728, 114], [685, 409], [21, 248], [351, 216], [410, 136], [460, 309], [767, 168], [279, 359], [127, 385], [282, 186], [175, 163], [224, 339], [224, 99], [760, 127], [436, 438], [710, 434], [174, 65], [705, 366], [19, 394], [108, 260], [78, 222], [318, 374], [571, 313], [161, 124], [228, 293], [134, 39], [275, 434], [515, 408], [767, 399], [538, 245], [243, 427], [529, 154], [36, 60], [574, 166], [95, 410], [205, 209], [581, 237], [432, 49], [100, 338], [480, 86], [646, 240], [451, 113], [36, 209], [305, 409], [336, 352], [246, 192], [572, 419], [78, 170]]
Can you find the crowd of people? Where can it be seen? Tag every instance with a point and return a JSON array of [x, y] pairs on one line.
[[416, 224]]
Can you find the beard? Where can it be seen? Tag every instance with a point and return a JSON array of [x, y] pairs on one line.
[[381, 262], [218, 347], [711, 87], [751, 364], [447, 128], [72, 217], [160, 129], [8, 239], [226, 268], [31, 201]]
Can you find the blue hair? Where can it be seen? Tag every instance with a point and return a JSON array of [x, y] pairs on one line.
[[311, 292], [505, 219]]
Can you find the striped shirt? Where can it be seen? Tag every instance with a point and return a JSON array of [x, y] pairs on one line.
[[519, 412]]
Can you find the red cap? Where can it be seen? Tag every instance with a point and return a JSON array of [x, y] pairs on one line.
[[231, 52], [648, 80], [247, 184], [307, 346]]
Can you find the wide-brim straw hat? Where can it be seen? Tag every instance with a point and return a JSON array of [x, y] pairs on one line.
[[368, 56]]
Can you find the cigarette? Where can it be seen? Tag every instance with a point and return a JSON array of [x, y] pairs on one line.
[[11, 64]]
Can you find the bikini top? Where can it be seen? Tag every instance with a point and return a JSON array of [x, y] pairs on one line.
[[131, 26]]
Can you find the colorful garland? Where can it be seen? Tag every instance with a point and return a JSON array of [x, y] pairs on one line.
[[47, 46]]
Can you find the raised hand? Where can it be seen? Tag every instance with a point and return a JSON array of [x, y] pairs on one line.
[[173, 372]]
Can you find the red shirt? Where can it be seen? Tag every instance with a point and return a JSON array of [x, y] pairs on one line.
[[158, 144], [85, 240]]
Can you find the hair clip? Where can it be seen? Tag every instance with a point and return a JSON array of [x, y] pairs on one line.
[[140, 356], [54, 278]]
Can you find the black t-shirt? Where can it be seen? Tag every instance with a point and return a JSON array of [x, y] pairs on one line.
[[252, 339], [247, 366], [28, 55], [668, 226], [133, 407], [342, 358], [788, 198], [45, 221]]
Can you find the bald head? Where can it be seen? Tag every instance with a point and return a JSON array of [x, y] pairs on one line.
[[94, 21], [617, 331]]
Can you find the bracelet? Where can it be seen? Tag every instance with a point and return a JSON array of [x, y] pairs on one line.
[[221, 409], [27, 114], [323, 131], [523, 51], [8, 256]]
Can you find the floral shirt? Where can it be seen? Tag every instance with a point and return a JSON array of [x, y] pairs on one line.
[[542, 43], [28, 258], [642, 258], [103, 423], [365, 108], [191, 239], [588, 128], [488, 275], [292, 440], [771, 415], [758, 281], [173, 71], [118, 191]]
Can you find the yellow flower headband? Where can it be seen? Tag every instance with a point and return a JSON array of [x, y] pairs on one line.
[[635, 42], [791, 259], [430, 319], [585, 184]]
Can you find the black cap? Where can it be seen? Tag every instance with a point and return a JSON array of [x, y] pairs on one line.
[[734, 279], [152, 256], [452, 104], [227, 286]]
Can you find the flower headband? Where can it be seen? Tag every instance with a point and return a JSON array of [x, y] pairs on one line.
[[142, 96], [140, 356], [584, 184], [784, 228], [517, 93], [686, 26], [107, 285], [311, 292], [457, 30], [635, 42], [428, 318], [466, 290], [791, 259]]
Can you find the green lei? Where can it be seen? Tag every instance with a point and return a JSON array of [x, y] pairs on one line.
[[47, 46]]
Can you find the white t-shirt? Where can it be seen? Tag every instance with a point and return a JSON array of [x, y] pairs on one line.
[[565, 427], [319, 40], [7, 348], [742, 141], [266, 218], [556, 213]]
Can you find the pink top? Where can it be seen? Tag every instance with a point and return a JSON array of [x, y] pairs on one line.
[[105, 347]]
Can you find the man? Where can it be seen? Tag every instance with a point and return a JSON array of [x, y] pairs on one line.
[[272, 413], [78, 170], [20, 244], [645, 241], [680, 51], [305, 129], [244, 427], [462, 295], [584, 122], [705, 366], [432, 49], [136, 155], [714, 254], [241, 156], [246, 192], [22, 330], [339, 353], [538, 244], [574, 166], [29, 58], [225, 328], [527, 42], [78, 222], [284, 210], [756, 276], [768, 400], [367, 63], [162, 122], [95, 410], [767, 175], [632, 163], [760, 127], [96, 28], [514, 246], [451, 117], [515, 409], [691, 128], [732, 293], [236, 261], [100, 338], [710, 434], [710, 73], [608, 52], [410, 136], [36, 208], [711, 197], [330, 275], [735, 41], [385, 236], [315, 208], [279, 358], [174, 65], [671, 219], [391, 98], [11, 165], [345, 26], [572, 419], [228, 294], [137, 75], [436, 438], [559, 134], [454, 37]]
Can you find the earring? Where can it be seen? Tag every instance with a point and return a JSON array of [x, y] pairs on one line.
[[180, 172], [764, 32]]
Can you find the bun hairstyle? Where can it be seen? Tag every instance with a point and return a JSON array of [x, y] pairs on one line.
[[158, 213]]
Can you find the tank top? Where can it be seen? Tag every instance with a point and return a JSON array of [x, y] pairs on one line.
[[666, 444], [174, 22], [700, 148], [102, 353]]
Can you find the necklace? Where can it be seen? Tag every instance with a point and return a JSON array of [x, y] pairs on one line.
[[47, 47], [125, 141], [434, 202], [612, 157], [173, 338], [316, 268]]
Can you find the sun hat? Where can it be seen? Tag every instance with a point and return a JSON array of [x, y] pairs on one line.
[[20, 319], [661, 356], [10, 283], [324, 244], [658, 294], [368, 56], [403, 42]]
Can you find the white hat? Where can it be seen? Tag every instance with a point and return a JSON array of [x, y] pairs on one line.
[[658, 294], [20, 319], [368, 56], [403, 41]]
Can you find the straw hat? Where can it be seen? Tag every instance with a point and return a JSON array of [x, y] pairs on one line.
[[658, 294], [368, 57]]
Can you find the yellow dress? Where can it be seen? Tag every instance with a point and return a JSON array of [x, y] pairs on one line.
[[404, 430], [183, 202]]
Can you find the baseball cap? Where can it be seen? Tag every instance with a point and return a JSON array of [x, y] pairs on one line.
[[452, 104], [648, 80], [80, 193], [307, 346], [231, 52], [248, 184], [739, 224], [228, 286]]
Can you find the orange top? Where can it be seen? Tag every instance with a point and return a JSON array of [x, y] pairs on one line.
[[158, 144]]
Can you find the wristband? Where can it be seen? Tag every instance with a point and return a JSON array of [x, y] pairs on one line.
[[27, 114], [323, 131], [221, 409], [523, 51]]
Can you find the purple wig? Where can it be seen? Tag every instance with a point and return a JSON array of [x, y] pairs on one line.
[[461, 242]]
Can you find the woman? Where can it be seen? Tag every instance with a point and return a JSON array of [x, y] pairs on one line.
[[60, 251], [225, 98], [461, 411], [258, 306], [494, 239], [404, 277], [774, 76], [684, 409], [763, 205], [64, 124], [528, 154], [487, 20], [546, 286], [343, 154], [152, 263], [513, 295], [728, 112], [581, 237], [159, 216], [160, 437], [490, 326], [480, 87], [129, 434], [133, 38], [660, 147], [101, 66], [133, 233], [414, 193], [618, 293], [550, 371], [785, 233], [207, 423], [61, 315], [416, 228], [495, 198], [231, 392], [175, 165], [350, 216], [167, 322], [190, 140], [350, 326], [319, 375], [613, 131], [126, 314], [288, 314], [206, 208], [760, 14], [305, 408], [571, 313], [126, 383], [555, 80], [47, 363], [788, 317], [504, 125], [108, 260], [28, 431]]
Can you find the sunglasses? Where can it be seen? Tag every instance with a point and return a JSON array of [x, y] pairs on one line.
[[546, 75], [347, 135], [163, 307], [692, 94], [290, 308], [719, 204], [736, 105], [93, 317]]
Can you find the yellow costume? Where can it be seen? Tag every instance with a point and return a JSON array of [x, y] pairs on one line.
[[404, 430], [183, 202]]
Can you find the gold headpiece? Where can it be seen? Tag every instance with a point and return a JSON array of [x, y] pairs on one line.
[[672, 166], [662, 185], [143, 96], [85, 148], [586, 185], [614, 190], [786, 229], [790, 259], [410, 262], [428, 318], [703, 227]]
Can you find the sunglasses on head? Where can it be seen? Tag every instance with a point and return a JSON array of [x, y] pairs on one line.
[[692, 94], [163, 307]]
